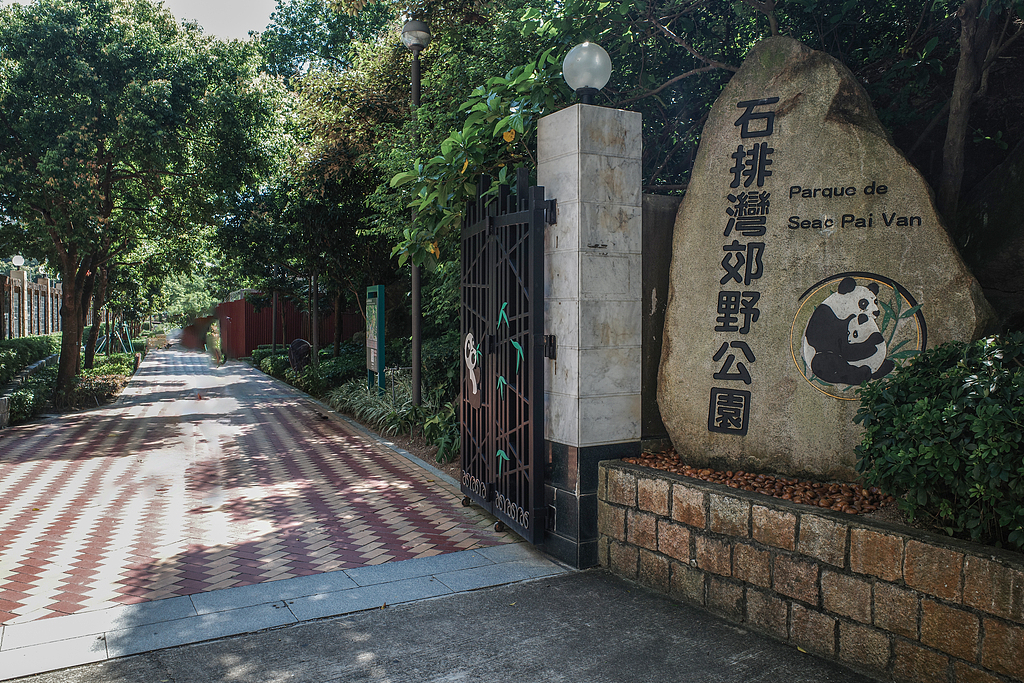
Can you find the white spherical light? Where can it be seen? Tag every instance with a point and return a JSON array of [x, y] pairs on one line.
[[587, 66], [18, 261]]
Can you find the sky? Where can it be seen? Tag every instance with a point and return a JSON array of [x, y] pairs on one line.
[[221, 18]]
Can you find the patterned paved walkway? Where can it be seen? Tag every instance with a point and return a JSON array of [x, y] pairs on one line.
[[204, 478]]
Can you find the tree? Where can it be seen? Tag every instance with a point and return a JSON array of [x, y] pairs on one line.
[[117, 123]]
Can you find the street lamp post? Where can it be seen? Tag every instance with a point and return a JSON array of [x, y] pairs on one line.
[[416, 37], [587, 69]]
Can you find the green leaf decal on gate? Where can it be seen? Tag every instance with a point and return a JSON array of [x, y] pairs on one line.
[[502, 458], [519, 353], [502, 315], [501, 386]]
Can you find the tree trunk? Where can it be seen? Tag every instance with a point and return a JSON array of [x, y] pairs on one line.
[[314, 319], [273, 326], [85, 299], [976, 34], [71, 332], [338, 327], [98, 300]]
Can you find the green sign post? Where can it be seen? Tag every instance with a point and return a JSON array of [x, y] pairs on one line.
[[375, 335]]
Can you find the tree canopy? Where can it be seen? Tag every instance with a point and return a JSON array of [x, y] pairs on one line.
[[117, 123]]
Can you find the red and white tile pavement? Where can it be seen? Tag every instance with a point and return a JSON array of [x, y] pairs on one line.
[[203, 478]]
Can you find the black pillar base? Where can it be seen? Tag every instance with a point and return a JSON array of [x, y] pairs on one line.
[[570, 491]]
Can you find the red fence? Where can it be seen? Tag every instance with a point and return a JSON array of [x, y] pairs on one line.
[[243, 328]]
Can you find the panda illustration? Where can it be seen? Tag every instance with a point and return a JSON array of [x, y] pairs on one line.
[[842, 343]]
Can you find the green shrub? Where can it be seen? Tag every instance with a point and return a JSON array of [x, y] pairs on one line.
[[946, 435], [441, 363], [17, 354], [392, 412], [275, 366], [33, 395], [264, 351]]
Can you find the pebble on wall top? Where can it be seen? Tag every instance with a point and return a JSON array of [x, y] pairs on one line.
[[808, 257]]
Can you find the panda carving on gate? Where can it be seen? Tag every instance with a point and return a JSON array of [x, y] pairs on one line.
[[842, 343]]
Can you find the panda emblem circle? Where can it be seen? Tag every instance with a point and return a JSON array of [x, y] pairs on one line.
[[852, 328]]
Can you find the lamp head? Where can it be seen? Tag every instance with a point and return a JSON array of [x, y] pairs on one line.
[[587, 69], [416, 35], [18, 261]]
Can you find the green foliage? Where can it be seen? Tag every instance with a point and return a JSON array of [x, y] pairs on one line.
[[275, 365], [349, 364], [946, 434], [17, 354], [33, 395], [499, 131], [392, 412]]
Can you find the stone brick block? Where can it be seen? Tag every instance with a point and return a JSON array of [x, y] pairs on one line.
[[896, 610], [688, 506], [846, 595], [752, 565], [774, 527], [686, 583], [641, 529], [768, 613], [876, 554], [951, 630], [823, 539], [674, 540], [914, 664], [623, 559], [603, 544], [730, 515], [622, 487], [725, 598], [714, 556], [1003, 649], [933, 570], [652, 495], [796, 579], [864, 647], [813, 631], [602, 482], [611, 521], [654, 571], [994, 588], [962, 673]]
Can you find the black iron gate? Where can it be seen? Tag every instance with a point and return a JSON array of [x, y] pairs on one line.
[[502, 410]]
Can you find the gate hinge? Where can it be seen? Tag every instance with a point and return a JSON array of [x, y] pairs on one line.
[[549, 346], [550, 211]]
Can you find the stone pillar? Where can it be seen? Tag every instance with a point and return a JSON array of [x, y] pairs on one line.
[[589, 161], [19, 279], [44, 304]]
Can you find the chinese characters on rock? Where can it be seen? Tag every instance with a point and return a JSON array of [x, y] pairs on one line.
[[742, 266]]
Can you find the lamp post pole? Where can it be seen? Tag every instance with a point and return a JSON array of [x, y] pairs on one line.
[[416, 37]]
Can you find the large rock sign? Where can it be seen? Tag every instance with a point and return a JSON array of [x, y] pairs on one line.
[[808, 257]]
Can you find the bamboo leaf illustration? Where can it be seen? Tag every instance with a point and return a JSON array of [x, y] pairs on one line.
[[889, 315], [502, 315], [911, 311], [501, 386], [519, 353], [502, 458]]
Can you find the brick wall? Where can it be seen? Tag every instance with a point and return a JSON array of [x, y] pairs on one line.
[[896, 604]]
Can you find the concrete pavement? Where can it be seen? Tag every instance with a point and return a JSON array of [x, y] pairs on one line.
[[576, 626]]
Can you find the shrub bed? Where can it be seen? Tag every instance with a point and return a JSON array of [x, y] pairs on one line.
[[17, 354], [945, 434]]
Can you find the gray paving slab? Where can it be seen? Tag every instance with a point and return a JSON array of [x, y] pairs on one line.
[[366, 597], [496, 575], [420, 566], [271, 591], [197, 629], [579, 626], [54, 655], [96, 622]]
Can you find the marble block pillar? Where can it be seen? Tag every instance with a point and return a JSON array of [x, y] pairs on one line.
[[589, 161]]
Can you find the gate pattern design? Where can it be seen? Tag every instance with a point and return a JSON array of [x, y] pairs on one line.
[[502, 407]]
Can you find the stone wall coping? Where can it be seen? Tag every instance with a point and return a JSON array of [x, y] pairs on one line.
[[1007, 557]]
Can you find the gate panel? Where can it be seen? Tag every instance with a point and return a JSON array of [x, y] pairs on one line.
[[502, 369]]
